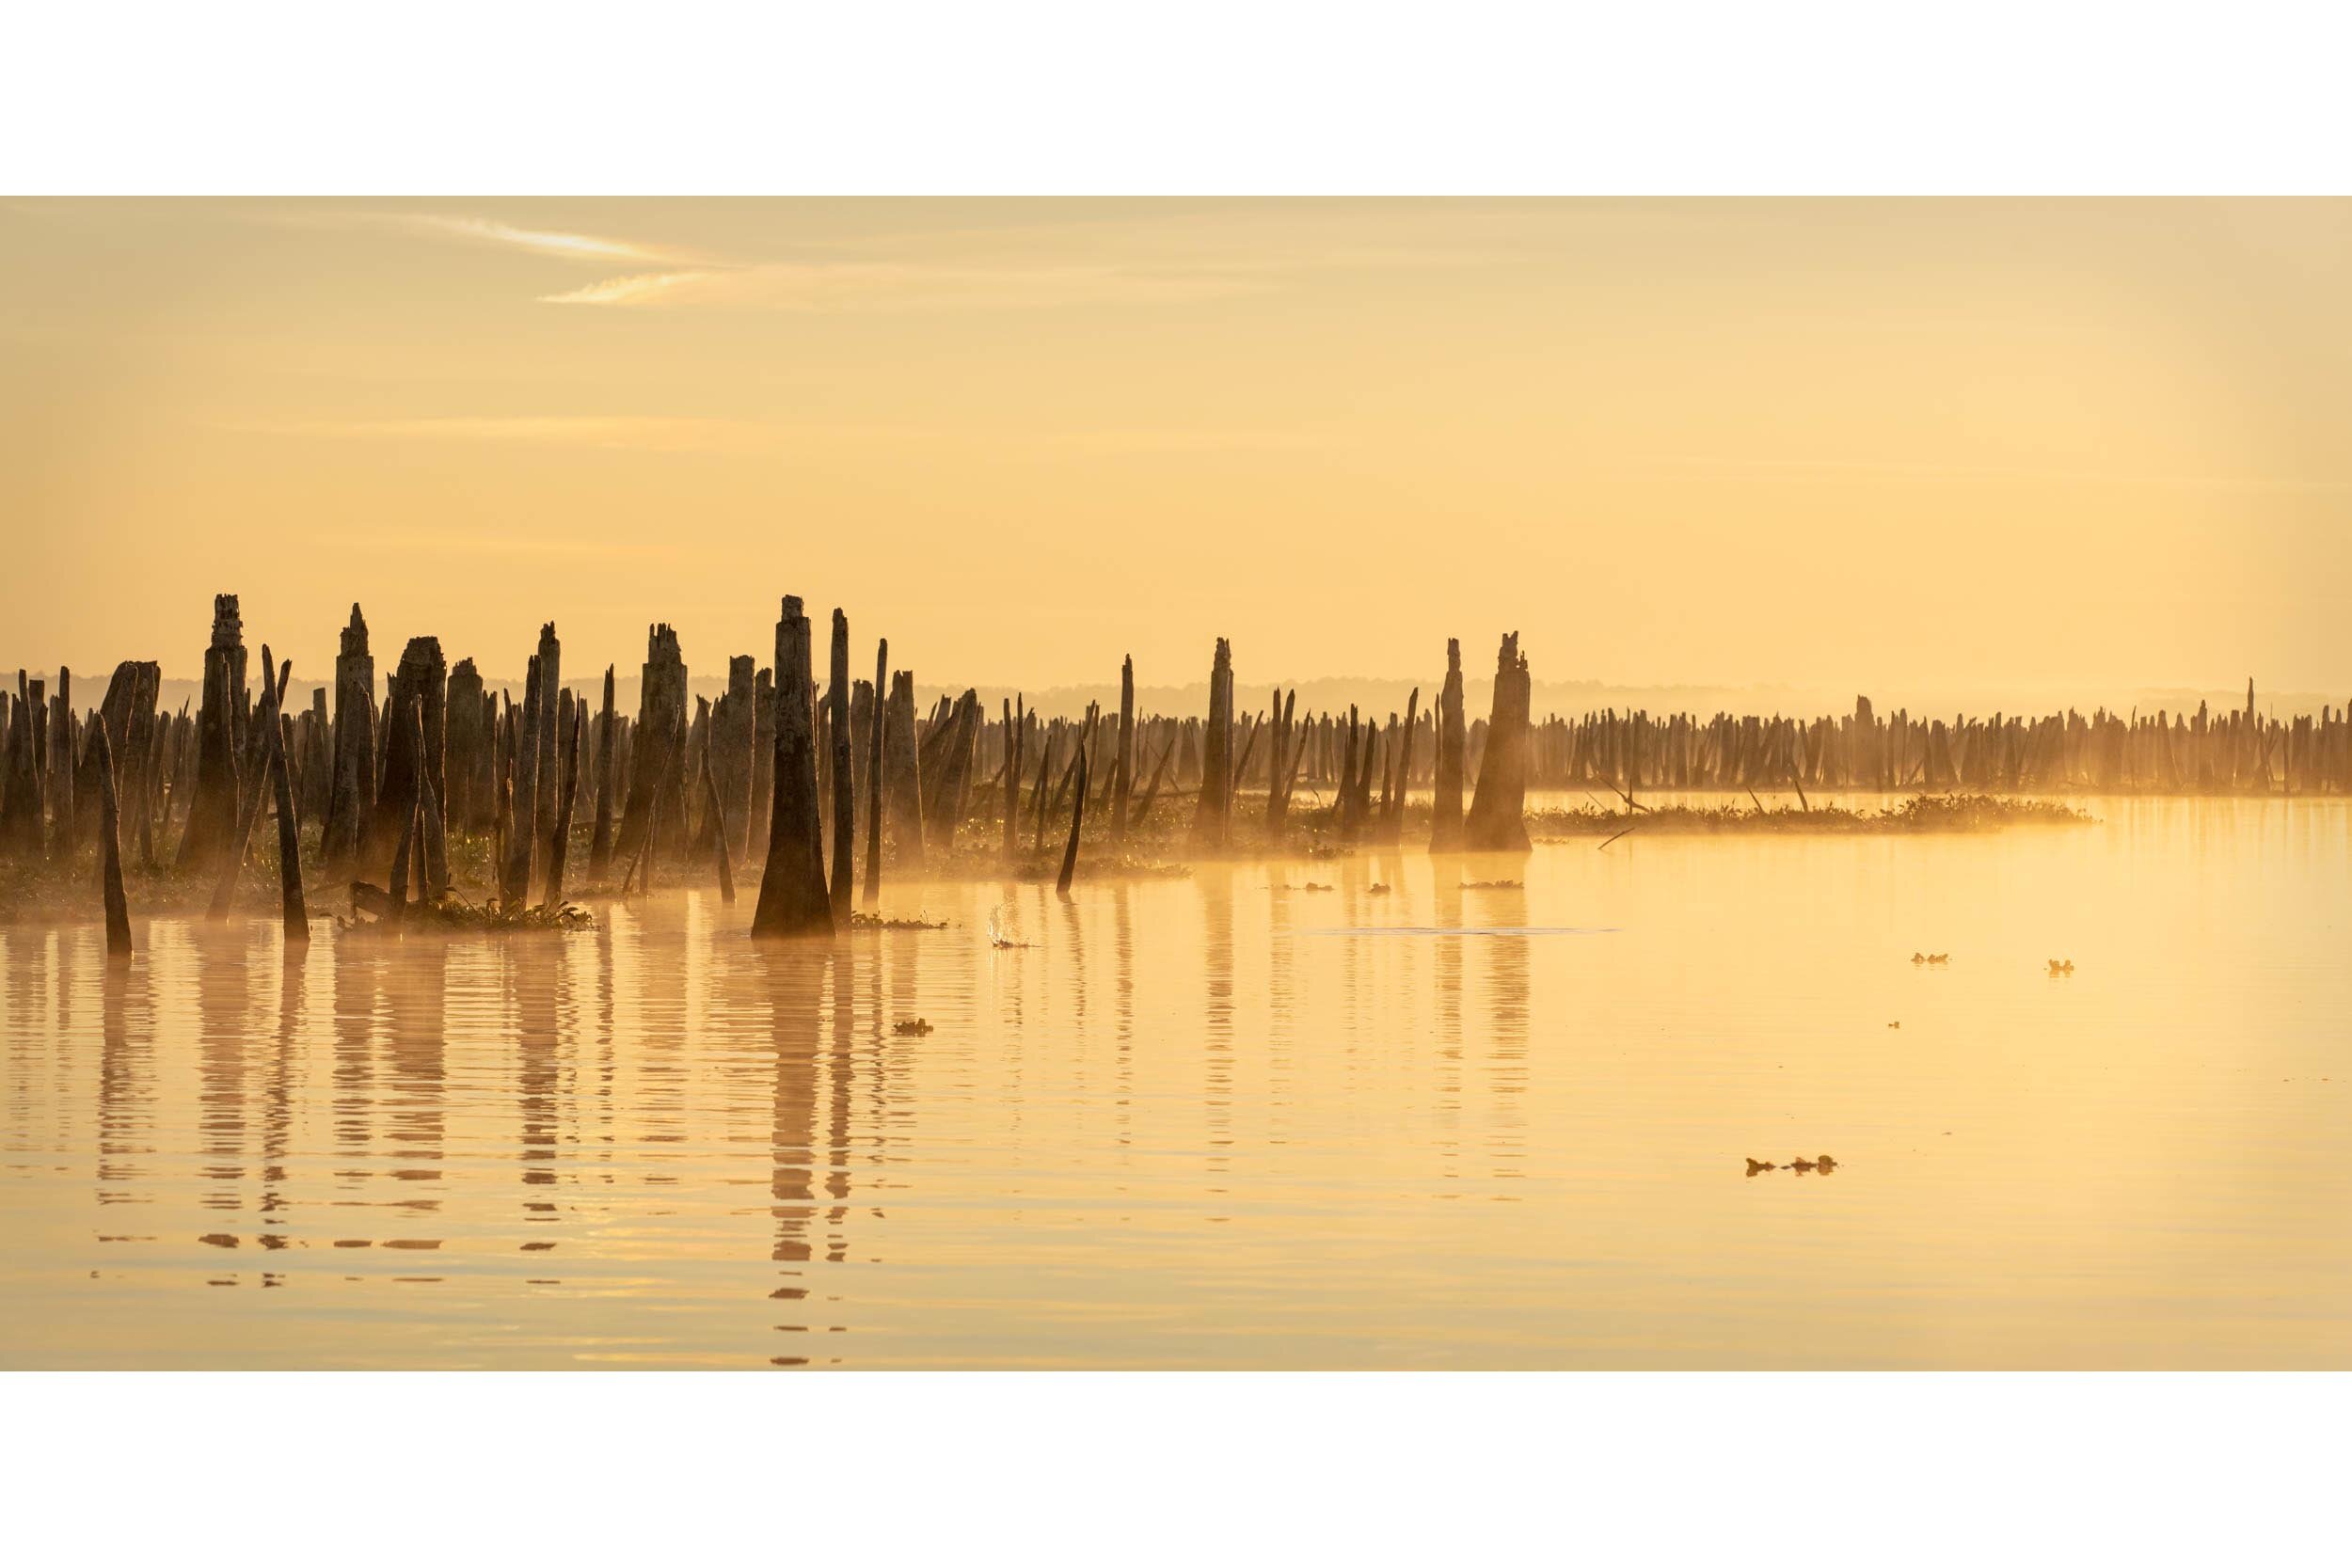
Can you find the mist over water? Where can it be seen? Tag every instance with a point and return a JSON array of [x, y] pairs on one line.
[[1228, 1121]]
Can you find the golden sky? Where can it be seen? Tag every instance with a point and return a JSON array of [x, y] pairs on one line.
[[1991, 445]]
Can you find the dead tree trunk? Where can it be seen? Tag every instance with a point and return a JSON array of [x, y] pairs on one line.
[[1078, 818], [844, 772], [249, 803], [600, 845], [523, 838], [351, 785], [109, 851], [212, 810], [543, 801], [1445, 821], [292, 911], [658, 749], [560, 848], [1209, 816], [1496, 818], [900, 761], [1123, 775], [1016, 723], [718, 809], [793, 898], [874, 776]]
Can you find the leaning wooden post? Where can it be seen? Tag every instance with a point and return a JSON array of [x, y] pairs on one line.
[[843, 771], [1445, 808], [110, 852], [1016, 723], [559, 850], [600, 846], [874, 775], [1123, 770], [718, 809], [1078, 816], [793, 898], [296, 914], [249, 806]]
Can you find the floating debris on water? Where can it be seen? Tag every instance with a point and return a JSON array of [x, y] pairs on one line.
[[2061, 966], [1379, 887], [1498, 883], [1821, 1163], [1931, 957], [864, 920], [911, 1026]]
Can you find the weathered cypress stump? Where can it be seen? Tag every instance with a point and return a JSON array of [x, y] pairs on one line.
[[351, 794], [733, 725], [600, 844], [64, 826], [414, 750], [844, 772], [660, 746], [716, 807], [1497, 814], [1210, 813], [543, 809], [212, 807], [1077, 817], [903, 780], [1124, 768], [1445, 822], [523, 837], [1016, 731], [109, 849], [23, 814], [874, 776], [256, 774], [464, 736], [793, 898], [560, 847], [293, 911], [763, 765]]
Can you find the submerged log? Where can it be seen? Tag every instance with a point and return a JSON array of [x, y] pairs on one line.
[[793, 898], [109, 849]]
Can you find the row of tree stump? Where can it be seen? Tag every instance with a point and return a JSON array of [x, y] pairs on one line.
[[754, 779]]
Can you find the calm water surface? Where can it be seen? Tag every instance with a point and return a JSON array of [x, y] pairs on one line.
[[1230, 1122]]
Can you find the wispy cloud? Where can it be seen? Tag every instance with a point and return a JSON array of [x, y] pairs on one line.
[[467, 229], [629, 432], [780, 438], [903, 285]]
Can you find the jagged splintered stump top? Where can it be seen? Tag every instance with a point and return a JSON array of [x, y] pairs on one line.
[[1497, 819], [793, 898]]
